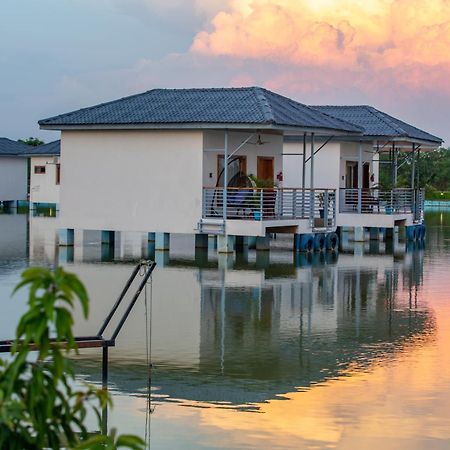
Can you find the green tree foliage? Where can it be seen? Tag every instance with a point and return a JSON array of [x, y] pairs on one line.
[[433, 167], [34, 142], [40, 403]]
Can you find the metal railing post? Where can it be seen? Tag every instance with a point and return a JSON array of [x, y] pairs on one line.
[[359, 200], [261, 202], [204, 207], [294, 203]]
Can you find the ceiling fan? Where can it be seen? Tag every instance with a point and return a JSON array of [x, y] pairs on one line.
[[259, 141]]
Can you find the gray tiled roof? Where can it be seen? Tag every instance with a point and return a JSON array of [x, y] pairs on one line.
[[52, 148], [159, 108], [377, 123], [14, 148]]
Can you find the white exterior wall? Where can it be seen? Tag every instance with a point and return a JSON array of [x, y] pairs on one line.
[[214, 142], [329, 163], [131, 180], [326, 165], [43, 187], [13, 178]]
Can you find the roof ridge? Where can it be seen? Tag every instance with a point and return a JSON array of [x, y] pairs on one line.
[[265, 103], [396, 121], [390, 123], [296, 104]]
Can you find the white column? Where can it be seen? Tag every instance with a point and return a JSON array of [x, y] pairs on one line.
[[225, 176], [360, 176]]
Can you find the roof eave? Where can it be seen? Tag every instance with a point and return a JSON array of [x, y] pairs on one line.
[[197, 126], [380, 138]]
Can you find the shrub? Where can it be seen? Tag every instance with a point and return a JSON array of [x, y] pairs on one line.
[[40, 405]]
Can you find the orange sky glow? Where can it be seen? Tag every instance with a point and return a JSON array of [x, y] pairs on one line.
[[375, 35]]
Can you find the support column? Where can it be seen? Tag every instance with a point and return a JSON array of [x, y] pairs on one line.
[[225, 243], [66, 236], [212, 242], [225, 178], [360, 177], [263, 243], [374, 233], [108, 237], [241, 243], [201, 241], [65, 254], [252, 242], [359, 234], [162, 241], [311, 182]]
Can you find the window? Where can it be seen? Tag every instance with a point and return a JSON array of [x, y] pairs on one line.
[[39, 169], [58, 173]]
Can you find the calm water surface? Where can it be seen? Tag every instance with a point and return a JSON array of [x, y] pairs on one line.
[[347, 351]]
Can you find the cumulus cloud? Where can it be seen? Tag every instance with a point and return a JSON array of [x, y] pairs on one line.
[[403, 38]]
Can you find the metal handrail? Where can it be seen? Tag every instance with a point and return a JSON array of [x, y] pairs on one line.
[[252, 203], [379, 201]]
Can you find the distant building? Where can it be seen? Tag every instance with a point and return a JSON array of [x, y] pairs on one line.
[[45, 174], [13, 171]]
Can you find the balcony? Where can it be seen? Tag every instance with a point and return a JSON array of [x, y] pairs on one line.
[[317, 206], [386, 202]]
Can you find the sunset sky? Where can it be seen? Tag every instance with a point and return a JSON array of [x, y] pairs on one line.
[[59, 55]]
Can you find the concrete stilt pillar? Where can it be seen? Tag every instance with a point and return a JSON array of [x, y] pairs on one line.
[[225, 261], [151, 250], [201, 241], [389, 233], [65, 254], [374, 247], [262, 260], [263, 243], [241, 243], [242, 256], [162, 258], [151, 237], [358, 248], [225, 243], [108, 237], [359, 234], [374, 233], [201, 256], [107, 252], [252, 242], [162, 241], [212, 242], [66, 236]]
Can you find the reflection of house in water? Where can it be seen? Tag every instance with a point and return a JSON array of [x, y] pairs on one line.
[[241, 336], [251, 330]]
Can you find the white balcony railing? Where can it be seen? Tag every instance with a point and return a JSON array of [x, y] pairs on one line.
[[377, 201], [316, 205]]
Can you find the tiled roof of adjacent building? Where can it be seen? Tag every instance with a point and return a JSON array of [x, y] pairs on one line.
[[377, 123], [52, 148], [197, 108], [8, 147]]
